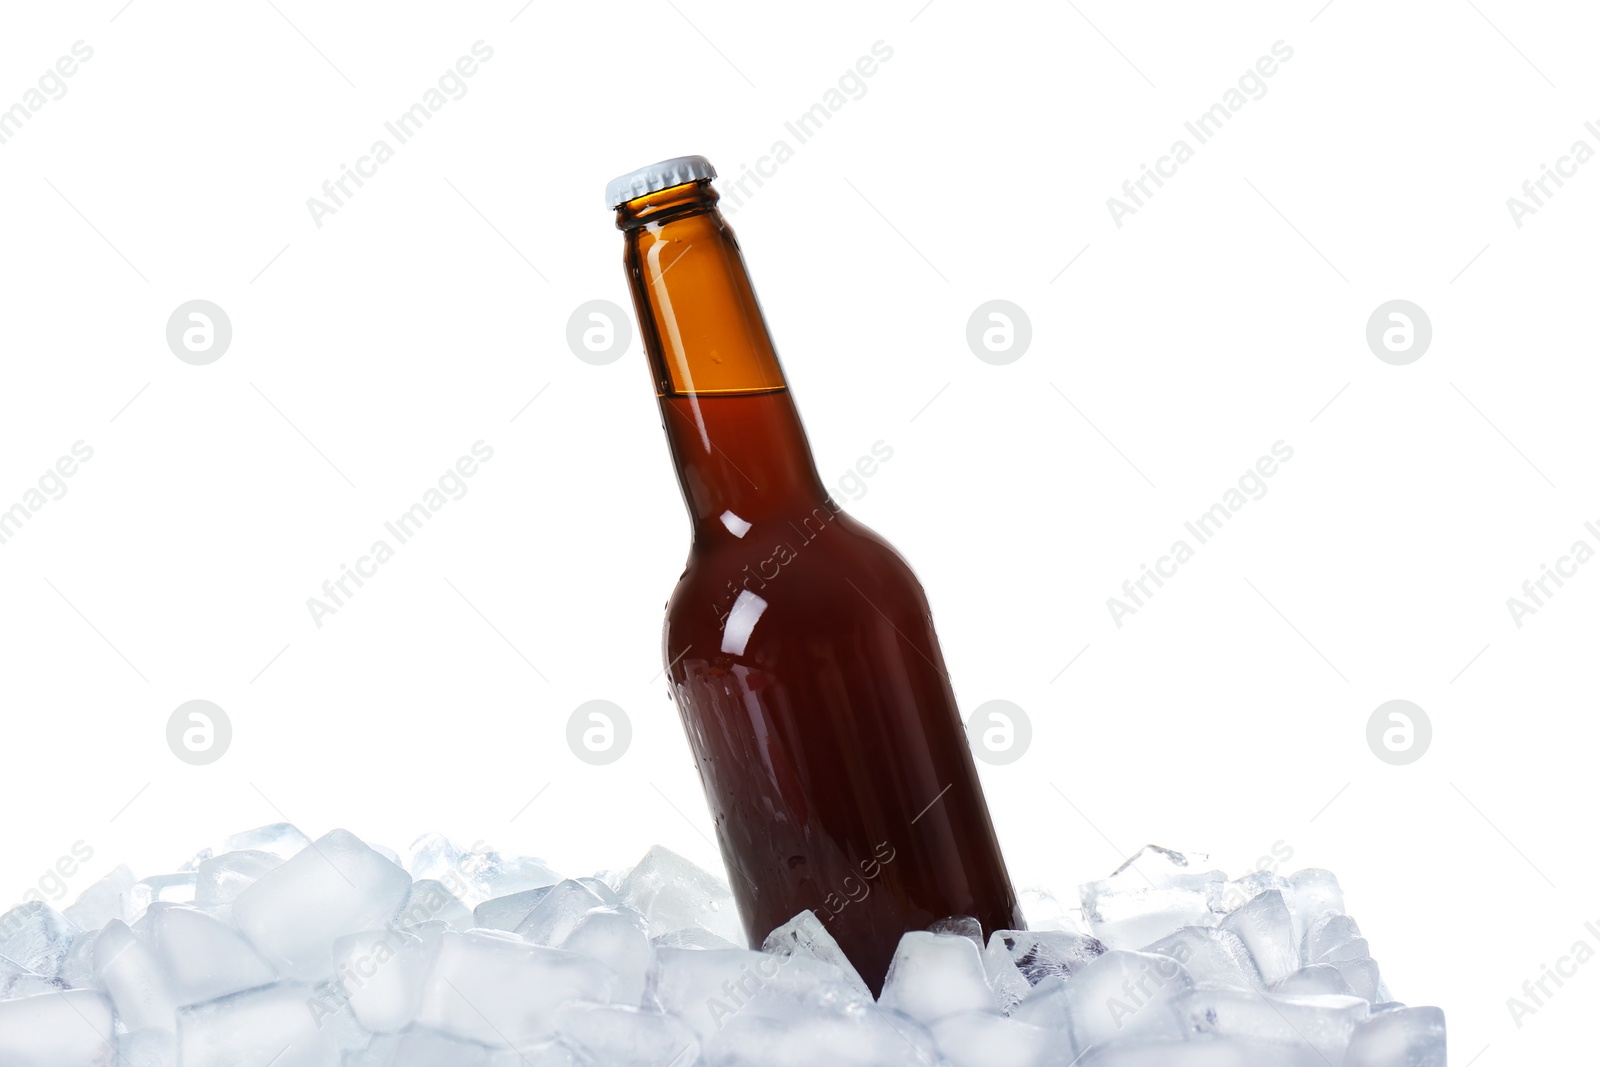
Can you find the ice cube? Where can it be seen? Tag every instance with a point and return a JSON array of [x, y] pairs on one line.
[[1202, 1052], [615, 936], [694, 937], [1211, 955], [16, 981], [429, 901], [507, 912], [1317, 978], [500, 876], [276, 1024], [707, 987], [221, 879], [557, 915], [1042, 954], [436, 856], [337, 886], [1348, 950], [672, 894], [1406, 1037], [502, 992], [600, 888], [1312, 894], [107, 899], [279, 838], [176, 888], [130, 974], [804, 935], [934, 975], [960, 926], [619, 1036], [1152, 894], [388, 853], [1361, 975], [1328, 933], [1267, 931], [202, 956], [1045, 911], [865, 1036], [418, 1047], [978, 1039], [71, 1028], [538, 1054], [147, 1048], [77, 970], [1121, 994], [36, 938], [194, 862], [1008, 983], [1240, 891], [1323, 1021], [380, 973]]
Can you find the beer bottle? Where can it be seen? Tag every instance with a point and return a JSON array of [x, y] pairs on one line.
[[799, 645]]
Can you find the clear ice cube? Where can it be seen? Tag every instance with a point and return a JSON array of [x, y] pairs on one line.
[[17, 981], [1043, 954], [707, 987], [1155, 892], [1265, 927], [1121, 995], [36, 938], [977, 1039], [502, 992], [1312, 894], [500, 876], [129, 973], [615, 936], [176, 888], [935, 975], [147, 1048], [558, 914], [673, 894], [1323, 1021], [1317, 978], [507, 912], [620, 1036], [805, 935], [203, 957], [960, 926], [429, 901], [1328, 933], [272, 1026], [71, 1028], [811, 1035], [1211, 955], [279, 838], [335, 887], [107, 899], [221, 879], [1405, 1037], [380, 973]]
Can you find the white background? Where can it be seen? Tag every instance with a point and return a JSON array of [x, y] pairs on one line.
[[1228, 715]]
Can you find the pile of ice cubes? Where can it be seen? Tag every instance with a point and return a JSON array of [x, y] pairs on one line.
[[287, 952]]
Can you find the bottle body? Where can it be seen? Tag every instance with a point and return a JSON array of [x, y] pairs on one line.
[[830, 746], [799, 645]]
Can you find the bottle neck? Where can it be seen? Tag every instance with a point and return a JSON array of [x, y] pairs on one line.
[[732, 426]]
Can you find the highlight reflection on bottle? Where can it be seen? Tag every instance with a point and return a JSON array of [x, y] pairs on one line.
[[799, 645]]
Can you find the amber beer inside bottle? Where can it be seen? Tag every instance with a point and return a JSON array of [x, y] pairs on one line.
[[799, 645]]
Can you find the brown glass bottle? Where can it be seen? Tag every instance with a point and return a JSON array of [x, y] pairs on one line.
[[799, 645]]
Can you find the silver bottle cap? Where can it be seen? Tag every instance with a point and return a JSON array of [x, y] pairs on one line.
[[658, 176]]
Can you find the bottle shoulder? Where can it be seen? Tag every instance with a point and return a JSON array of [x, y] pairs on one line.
[[803, 563]]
